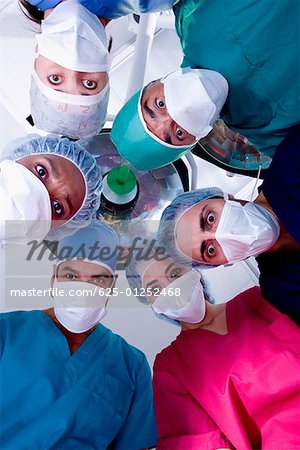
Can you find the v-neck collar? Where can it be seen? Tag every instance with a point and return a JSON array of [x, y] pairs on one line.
[[61, 344]]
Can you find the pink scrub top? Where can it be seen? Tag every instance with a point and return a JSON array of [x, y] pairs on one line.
[[240, 390]]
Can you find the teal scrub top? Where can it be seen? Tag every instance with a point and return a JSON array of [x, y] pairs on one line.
[[255, 45], [98, 397]]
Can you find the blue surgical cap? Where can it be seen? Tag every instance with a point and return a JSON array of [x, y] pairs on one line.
[[96, 243], [166, 231], [74, 152]]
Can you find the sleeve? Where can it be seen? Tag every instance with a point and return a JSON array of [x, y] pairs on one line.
[[182, 423], [139, 429], [281, 186], [112, 9]]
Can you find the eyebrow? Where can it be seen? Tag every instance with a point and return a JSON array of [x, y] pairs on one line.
[[52, 165], [167, 138], [69, 268], [148, 110], [69, 202], [168, 268], [150, 283]]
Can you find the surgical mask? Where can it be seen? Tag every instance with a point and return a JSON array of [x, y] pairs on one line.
[[189, 305], [75, 116], [25, 202], [74, 38], [194, 98], [81, 307], [245, 231]]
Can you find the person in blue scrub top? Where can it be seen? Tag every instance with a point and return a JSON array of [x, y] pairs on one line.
[[66, 380], [239, 63]]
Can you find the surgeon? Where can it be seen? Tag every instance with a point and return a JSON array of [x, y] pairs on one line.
[[210, 228], [230, 378], [49, 187], [230, 69], [66, 380], [69, 82]]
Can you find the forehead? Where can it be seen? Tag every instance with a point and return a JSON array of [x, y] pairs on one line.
[[211, 204], [83, 268], [155, 89]]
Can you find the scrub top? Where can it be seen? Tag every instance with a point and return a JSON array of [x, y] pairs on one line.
[[99, 397], [249, 43], [112, 9], [239, 390], [280, 271]]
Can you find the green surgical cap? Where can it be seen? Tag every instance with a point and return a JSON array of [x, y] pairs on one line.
[[137, 144]]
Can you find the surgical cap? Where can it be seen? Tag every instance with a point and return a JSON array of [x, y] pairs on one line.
[[83, 160], [137, 144], [170, 216], [97, 243]]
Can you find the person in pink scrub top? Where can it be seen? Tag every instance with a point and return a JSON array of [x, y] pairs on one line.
[[231, 377], [231, 381]]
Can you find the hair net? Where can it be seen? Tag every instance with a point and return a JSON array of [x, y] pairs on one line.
[[166, 231], [97, 243], [76, 153]]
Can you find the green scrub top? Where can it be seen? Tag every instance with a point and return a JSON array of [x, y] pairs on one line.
[[255, 45]]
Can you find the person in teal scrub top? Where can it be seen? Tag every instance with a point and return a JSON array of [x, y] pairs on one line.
[[66, 380], [239, 61]]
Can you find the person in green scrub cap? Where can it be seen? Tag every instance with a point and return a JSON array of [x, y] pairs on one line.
[[233, 68]]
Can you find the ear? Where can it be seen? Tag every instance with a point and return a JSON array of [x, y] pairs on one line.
[[230, 196], [115, 280]]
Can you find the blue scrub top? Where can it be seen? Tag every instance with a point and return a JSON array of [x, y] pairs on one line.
[[98, 397], [112, 9]]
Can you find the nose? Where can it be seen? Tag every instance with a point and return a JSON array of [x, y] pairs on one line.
[[162, 126], [71, 84]]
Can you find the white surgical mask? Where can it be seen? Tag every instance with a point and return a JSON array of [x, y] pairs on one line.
[[75, 116], [74, 38], [25, 201], [82, 307], [245, 231], [194, 98], [189, 306]]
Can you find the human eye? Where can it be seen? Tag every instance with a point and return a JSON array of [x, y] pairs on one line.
[[159, 103], [41, 171], [89, 84], [57, 207], [70, 276], [179, 133], [210, 250], [55, 79], [154, 290], [210, 218], [175, 273]]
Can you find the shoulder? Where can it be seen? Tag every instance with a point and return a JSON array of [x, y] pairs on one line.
[[16, 317]]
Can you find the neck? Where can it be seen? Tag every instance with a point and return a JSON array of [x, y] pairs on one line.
[[285, 240], [74, 339], [214, 320]]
